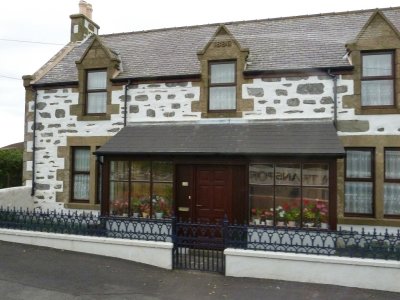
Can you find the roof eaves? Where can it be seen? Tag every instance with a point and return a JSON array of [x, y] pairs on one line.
[[39, 74]]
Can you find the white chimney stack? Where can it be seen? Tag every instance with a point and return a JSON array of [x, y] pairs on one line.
[[85, 9], [82, 24]]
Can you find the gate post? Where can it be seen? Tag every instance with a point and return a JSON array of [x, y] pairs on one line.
[[174, 247], [225, 224], [173, 229]]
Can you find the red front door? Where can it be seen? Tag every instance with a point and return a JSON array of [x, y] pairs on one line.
[[213, 193], [205, 193]]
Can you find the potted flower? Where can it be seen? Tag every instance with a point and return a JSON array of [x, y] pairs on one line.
[[322, 216], [256, 215], [269, 217], [310, 213], [292, 216], [119, 207], [280, 214], [136, 207], [145, 209], [160, 207]]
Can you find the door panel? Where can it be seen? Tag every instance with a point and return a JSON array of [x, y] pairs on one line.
[[205, 193], [213, 194], [184, 192]]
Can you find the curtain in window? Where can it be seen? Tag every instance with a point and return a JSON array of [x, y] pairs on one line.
[[82, 160], [391, 198], [392, 164], [97, 80], [377, 65], [358, 164], [222, 98], [222, 73], [358, 197], [97, 103], [81, 187], [81, 181], [377, 92]]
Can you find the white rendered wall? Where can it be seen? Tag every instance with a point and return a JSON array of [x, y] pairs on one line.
[[275, 99], [16, 197], [351, 272], [157, 254]]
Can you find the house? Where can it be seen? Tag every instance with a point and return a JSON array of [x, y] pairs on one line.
[[267, 121]]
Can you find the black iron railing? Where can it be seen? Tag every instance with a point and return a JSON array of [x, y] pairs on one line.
[[347, 243], [88, 224], [213, 238]]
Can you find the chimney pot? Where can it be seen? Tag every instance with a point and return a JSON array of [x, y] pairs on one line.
[[85, 9]]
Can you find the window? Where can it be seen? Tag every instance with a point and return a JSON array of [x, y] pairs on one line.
[[96, 92], [141, 188], [392, 182], [292, 194], [377, 85], [80, 174], [222, 82], [359, 181]]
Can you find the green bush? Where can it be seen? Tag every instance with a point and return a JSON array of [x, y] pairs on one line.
[[10, 167]]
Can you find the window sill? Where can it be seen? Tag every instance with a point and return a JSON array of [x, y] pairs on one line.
[[88, 206], [379, 110], [102, 117], [369, 221], [222, 114]]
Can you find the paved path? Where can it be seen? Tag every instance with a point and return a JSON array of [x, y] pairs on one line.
[[35, 273]]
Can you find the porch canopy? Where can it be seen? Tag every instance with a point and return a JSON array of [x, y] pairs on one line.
[[285, 138]]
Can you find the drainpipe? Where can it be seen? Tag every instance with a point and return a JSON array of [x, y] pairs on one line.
[[126, 101], [334, 78], [34, 142]]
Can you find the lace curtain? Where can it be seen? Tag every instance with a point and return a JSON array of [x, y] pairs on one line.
[[391, 194], [96, 101], [81, 181], [377, 92], [358, 195], [222, 97]]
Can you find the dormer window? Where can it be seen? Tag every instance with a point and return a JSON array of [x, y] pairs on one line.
[[377, 81], [96, 92], [222, 86]]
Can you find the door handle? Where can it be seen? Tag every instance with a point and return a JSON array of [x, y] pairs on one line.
[[199, 205]]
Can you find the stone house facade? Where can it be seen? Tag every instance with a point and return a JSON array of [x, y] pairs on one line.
[[267, 121]]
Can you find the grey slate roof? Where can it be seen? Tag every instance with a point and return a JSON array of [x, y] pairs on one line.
[[315, 41], [267, 138]]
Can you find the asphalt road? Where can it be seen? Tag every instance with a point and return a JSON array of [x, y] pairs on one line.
[[35, 273]]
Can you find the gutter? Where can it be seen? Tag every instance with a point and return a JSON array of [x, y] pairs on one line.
[[126, 101], [34, 143], [334, 78]]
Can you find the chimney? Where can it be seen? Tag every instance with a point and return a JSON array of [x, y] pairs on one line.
[[85, 9], [81, 24]]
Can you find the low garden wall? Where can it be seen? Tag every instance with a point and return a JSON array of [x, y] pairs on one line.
[[351, 272], [18, 197], [153, 253]]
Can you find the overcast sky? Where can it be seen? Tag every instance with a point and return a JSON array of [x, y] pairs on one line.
[[47, 22]]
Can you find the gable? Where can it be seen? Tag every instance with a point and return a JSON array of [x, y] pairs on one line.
[[97, 55], [222, 45], [378, 33]]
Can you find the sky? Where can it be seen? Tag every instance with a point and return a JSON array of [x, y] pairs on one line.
[[32, 31]]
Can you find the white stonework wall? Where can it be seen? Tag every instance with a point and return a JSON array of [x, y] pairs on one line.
[[290, 98], [54, 124], [147, 102], [161, 102], [286, 98]]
